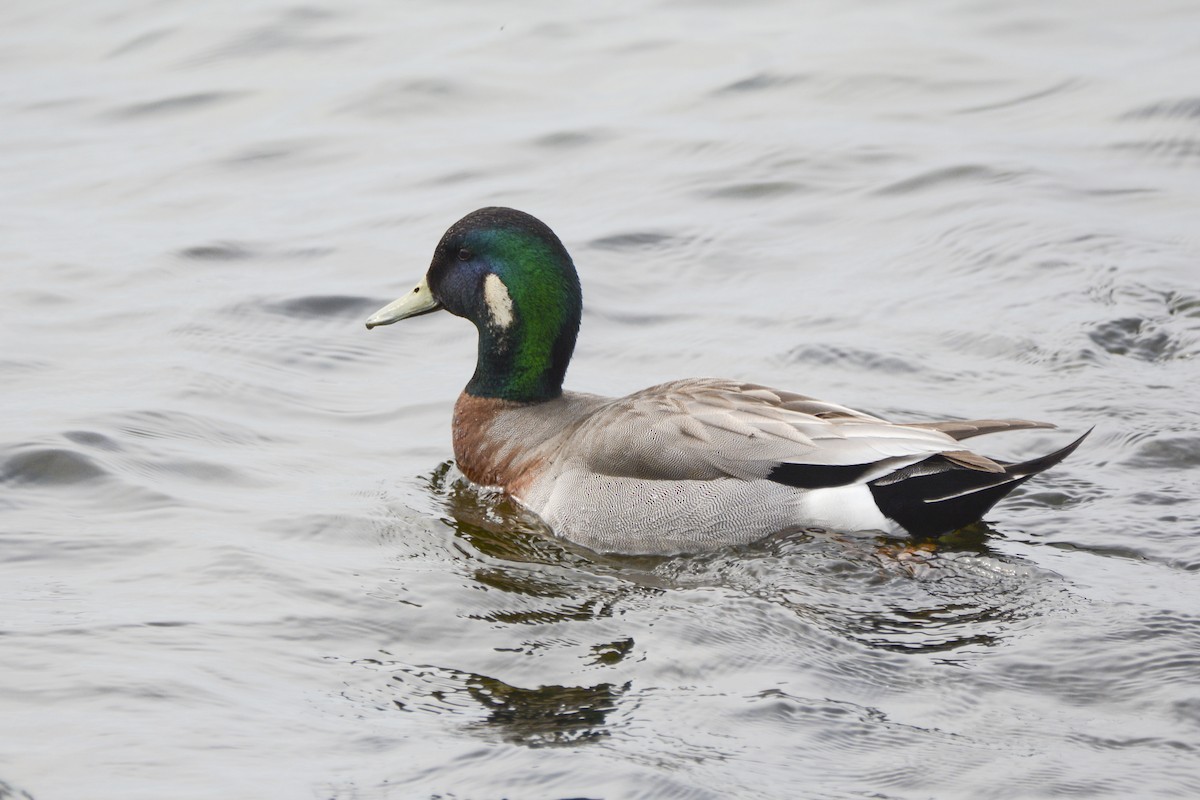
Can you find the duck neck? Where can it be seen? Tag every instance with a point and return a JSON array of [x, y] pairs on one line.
[[525, 360]]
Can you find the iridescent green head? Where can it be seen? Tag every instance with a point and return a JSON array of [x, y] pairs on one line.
[[510, 275]]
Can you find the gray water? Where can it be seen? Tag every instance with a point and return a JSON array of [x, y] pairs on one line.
[[237, 563]]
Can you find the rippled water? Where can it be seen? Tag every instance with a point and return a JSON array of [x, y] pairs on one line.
[[237, 563]]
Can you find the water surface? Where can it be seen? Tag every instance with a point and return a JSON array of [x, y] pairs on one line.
[[236, 561]]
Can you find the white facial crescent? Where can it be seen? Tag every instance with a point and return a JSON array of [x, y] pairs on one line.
[[499, 302]]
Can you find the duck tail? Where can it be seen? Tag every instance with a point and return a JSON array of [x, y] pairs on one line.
[[940, 494], [1035, 465]]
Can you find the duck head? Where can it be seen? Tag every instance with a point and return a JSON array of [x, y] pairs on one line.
[[508, 273]]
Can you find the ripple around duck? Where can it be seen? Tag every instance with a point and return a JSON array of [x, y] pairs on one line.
[[947, 601], [929, 598], [537, 577], [889, 597], [491, 524]]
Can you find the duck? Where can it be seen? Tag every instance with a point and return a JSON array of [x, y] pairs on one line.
[[685, 466]]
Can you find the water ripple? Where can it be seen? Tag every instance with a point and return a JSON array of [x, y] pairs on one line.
[[1185, 108], [756, 190], [760, 82], [1170, 453], [220, 251], [50, 466], [939, 178], [322, 306], [10, 792], [198, 101], [221, 498], [1040, 94]]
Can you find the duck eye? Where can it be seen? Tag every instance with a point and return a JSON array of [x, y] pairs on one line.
[[464, 255]]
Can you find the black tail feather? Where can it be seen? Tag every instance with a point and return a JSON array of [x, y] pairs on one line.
[[936, 496], [1035, 465]]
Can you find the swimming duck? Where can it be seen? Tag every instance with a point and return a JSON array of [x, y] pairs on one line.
[[683, 466]]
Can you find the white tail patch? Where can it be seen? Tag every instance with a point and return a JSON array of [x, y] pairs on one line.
[[499, 301]]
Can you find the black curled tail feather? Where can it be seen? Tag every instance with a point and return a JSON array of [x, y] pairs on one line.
[[1042, 463], [936, 496]]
